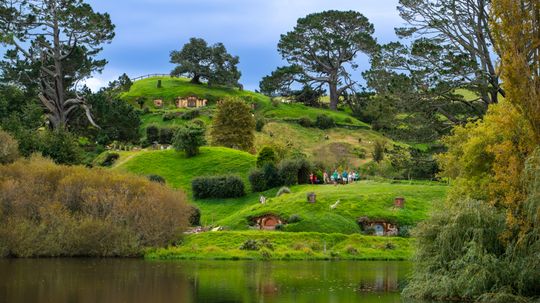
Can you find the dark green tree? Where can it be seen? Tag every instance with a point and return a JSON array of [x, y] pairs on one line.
[[234, 125], [118, 120], [53, 48], [189, 138], [200, 61], [324, 45], [266, 155]]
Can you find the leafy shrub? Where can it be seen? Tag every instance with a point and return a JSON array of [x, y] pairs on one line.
[[305, 122], [351, 250], [84, 212], [189, 138], [360, 152], [324, 122], [378, 151], [257, 180], [195, 216], [166, 135], [347, 120], [304, 170], [280, 226], [157, 178], [191, 114], [288, 172], [9, 148], [294, 219], [152, 133], [250, 244], [404, 231], [260, 122], [168, 116], [266, 155], [266, 254], [266, 244], [107, 159], [282, 191], [61, 146], [218, 187], [159, 83], [271, 175]]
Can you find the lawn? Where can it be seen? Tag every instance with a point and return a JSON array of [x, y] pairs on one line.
[[172, 88], [287, 246], [363, 199], [178, 170]]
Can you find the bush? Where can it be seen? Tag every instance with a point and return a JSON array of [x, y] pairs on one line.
[[107, 159], [260, 122], [191, 114], [250, 244], [168, 116], [294, 219], [378, 151], [217, 187], [189, 138], [166, 135], [234, 125], [84, 212], [195, 216], [288, 172], [266, 155], [271, 175], [257, 181], [282, 191], [305, 122], [304, 170], [324, 122], [9, 148], [61, 146], [157, 178], [152, 134]]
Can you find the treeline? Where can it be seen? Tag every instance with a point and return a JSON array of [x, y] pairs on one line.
[[55, 210]]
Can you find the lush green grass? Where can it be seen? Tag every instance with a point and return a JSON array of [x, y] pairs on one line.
[[284, 111], [173, 88], [367, 198], [178, 170], [287, 246], [334, 147]]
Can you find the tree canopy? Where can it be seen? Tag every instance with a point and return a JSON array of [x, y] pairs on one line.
[[211, 63], [322, 46], [53, 47]]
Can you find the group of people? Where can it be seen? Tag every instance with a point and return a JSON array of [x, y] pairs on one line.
[[345, 177]]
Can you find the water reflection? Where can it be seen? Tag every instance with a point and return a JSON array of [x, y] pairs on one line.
[[91, 280]]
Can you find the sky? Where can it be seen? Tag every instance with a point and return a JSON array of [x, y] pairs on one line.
[[148, 30]]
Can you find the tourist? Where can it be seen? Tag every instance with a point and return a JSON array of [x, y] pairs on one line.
[[335, 177], [326, 180], [312, 178], [351, 177], [356, 176], [345, 176]]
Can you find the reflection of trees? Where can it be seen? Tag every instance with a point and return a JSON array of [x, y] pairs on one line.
[[385, 280]]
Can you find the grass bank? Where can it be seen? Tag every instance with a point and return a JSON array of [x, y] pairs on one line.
[[225, 245]]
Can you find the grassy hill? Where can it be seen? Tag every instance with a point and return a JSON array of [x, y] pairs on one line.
[[368, 198], [178, 170], [172, 88]]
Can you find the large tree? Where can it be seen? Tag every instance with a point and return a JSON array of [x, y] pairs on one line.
[[53, 46], [458, 30], [211, 63], [324, 45], [517, 36]]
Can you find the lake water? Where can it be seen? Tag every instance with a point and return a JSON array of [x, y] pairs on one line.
[[134, 280]]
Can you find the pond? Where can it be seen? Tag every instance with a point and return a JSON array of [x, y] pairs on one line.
[[135, 280]]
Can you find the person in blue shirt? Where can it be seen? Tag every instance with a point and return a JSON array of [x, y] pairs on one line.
[[345, 177]]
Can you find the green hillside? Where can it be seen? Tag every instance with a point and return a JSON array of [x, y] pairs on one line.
[[371, 199], [172, 88], [179, 170]]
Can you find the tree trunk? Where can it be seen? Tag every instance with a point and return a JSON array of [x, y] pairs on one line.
[[334, 97], [196, 79]]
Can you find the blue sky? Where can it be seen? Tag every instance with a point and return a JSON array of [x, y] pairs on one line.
[[147, 30]]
